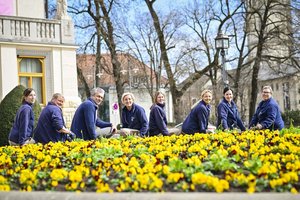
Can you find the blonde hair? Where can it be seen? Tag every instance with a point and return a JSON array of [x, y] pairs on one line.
[[267, 87], [156, 95], [126, 94], [204, 92], [56, 96]]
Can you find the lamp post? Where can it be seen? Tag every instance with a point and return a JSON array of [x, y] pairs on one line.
[[128, 70], [93, 75], [222, 43]]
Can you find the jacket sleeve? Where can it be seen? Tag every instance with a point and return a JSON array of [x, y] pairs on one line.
[[57, 120], [144, 122], [201, 115], [159, 121], [24, 122], [124, 121], [222, 115], [89, 118], [102, 124], [270, 117]]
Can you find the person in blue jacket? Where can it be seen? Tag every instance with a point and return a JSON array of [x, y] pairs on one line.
[[134, 119], [21, 132], [158, 120], [197, 120], [267, 114], [51, 125], [85, 123], [228, 115]]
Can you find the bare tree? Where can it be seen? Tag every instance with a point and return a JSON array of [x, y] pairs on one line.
[[100, 12], [269, 33]]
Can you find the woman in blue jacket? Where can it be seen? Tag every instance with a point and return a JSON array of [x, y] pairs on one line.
[[267, 114], [197, 120], [21, 132], [158, 120], [134, 118], [228, 115]]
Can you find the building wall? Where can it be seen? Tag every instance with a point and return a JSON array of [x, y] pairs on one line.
[[286, 91], [25, 31], [8, 69], [25, 8]]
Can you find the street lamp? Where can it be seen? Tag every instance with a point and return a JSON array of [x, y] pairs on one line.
[[222, 43], [130, 68], [93, 75], [124, 71]]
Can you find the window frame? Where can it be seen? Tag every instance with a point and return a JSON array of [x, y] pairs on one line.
[[31, 75]]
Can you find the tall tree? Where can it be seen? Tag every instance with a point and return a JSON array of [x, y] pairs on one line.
[[100, 12], [269, 33]]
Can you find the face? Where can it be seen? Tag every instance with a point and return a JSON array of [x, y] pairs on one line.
[[207, 97], [160, 99], [266, 94], [31, 97], [228, 96], [98, 98], [59, 101], [128, 101]]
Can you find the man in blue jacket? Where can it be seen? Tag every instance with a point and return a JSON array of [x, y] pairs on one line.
[[85, 120], [267, 114], [51, 124]]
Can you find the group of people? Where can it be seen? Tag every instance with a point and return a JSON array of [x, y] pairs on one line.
[[86, 124], [266, 116]]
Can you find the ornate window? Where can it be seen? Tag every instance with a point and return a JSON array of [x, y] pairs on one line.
[[31, 74]]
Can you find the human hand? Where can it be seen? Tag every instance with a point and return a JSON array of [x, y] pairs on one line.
[[259, 126], [71, 136]]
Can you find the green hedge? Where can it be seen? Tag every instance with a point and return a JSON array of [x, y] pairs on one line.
[[8, 109], [291, 118]]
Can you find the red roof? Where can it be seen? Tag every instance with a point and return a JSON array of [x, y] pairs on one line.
[[139, 71]]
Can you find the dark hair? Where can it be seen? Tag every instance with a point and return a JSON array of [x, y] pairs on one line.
[[26, 93], [226, 89]]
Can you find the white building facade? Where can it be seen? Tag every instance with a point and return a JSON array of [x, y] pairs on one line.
[[38, 52]]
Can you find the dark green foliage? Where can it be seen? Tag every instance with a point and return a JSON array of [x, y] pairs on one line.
[[291, 118], [8, 109]]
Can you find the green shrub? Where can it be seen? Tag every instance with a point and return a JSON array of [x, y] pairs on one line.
[[291, 118], [8, 109]]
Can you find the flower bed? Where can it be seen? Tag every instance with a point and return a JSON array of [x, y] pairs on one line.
[[253, 161]]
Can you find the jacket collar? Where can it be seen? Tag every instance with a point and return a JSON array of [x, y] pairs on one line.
[[90, 99]]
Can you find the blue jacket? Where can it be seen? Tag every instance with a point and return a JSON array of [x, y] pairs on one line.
[[228, 116], [268, 115], [135, 119], [85, 120], [158, 120], [50, 122], [23, 125], [197, 120]]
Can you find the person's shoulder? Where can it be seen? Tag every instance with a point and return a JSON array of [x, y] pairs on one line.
[[222, 103], [87, 102], [138, 107], [200, 105], [26, 107]]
